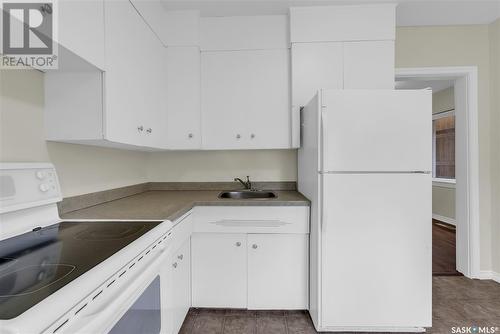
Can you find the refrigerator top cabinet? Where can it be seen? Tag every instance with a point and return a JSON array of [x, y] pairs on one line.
[[376, 131]]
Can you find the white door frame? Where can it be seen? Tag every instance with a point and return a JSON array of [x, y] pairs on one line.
[[467, 191]]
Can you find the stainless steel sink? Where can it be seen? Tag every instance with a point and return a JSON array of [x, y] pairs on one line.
[[247, 194]]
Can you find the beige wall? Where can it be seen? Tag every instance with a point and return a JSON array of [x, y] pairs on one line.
[[443, 202], [443, 100], [494, 35], [459, 46], [264, 165], [443, 195], [81, 169]]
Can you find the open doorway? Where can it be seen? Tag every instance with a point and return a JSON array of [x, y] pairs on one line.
[[455, 165], [443, 173]]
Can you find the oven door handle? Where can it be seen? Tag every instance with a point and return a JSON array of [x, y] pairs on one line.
[[105, 316]]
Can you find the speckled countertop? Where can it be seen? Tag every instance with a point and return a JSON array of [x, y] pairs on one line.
[[171, 204]]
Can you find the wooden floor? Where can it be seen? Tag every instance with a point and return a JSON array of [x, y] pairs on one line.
[[443, 249], [457, 301]]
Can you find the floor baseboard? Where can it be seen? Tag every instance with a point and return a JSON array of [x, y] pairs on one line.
[[444, 219], [489, 274]]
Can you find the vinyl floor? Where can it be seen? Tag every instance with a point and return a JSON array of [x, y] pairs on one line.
[[457, 302]]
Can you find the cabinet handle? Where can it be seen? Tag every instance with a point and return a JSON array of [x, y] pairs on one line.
[[180, 257], [140, 128], [174, 265], [252, 136], [238, 244], [190, 135], [254, 246], [238, 136], [149, 130]]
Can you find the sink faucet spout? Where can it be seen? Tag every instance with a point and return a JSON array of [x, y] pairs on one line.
[[247, 184]]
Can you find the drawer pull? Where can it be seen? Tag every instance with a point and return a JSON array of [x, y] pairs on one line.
[[249, 223]]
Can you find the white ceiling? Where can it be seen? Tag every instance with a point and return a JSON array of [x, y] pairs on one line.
[[435, 85], [409, 12]]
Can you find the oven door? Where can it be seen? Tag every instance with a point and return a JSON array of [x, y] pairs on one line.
[[140, 307], [144, 316]]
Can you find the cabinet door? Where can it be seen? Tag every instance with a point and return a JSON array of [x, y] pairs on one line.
[[278, 271], [152, 93], [183, 97], [181, 284], [154, 14], [81, 29], [219, 263], [245, 99], [123, 79], [315, 66], [369, 65]]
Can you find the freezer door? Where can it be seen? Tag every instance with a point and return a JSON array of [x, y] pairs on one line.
[[376, 130], [376, 250]]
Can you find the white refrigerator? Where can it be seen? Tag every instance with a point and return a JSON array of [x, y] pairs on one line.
[[365, 162]]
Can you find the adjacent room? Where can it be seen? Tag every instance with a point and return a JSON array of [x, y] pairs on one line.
[[444, 224]]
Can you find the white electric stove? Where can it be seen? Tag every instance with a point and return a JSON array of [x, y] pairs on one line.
[[74, 276]]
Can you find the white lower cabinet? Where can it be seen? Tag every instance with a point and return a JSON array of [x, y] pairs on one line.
[[181, 285], [278, 271], [219, 270], [255, 271]]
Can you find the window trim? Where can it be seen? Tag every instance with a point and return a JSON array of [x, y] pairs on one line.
[[439, 115], [444, 183]]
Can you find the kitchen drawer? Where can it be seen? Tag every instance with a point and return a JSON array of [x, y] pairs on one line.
[[251, 219]]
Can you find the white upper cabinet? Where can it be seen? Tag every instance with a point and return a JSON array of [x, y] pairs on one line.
[[123, 106], [127, 79], [341, 47], [183, 97], [181, 28], [315, 66], [245, 99], [369, 65], [343, 23], [245, 82], [155, 15], [81, 29], [244, 33], [157, 79]]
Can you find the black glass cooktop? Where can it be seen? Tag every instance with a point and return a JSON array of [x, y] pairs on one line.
[[38, 263]]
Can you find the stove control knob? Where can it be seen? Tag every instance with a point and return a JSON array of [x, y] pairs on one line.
[[40, 174], [44, 187]]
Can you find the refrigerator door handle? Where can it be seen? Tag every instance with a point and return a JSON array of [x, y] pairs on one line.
[[324, 138], [323, 204]]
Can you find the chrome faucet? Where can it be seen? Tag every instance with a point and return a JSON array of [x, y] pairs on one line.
[[247, 184]]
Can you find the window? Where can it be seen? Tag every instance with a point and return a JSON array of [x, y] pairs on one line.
[[443, 138]]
